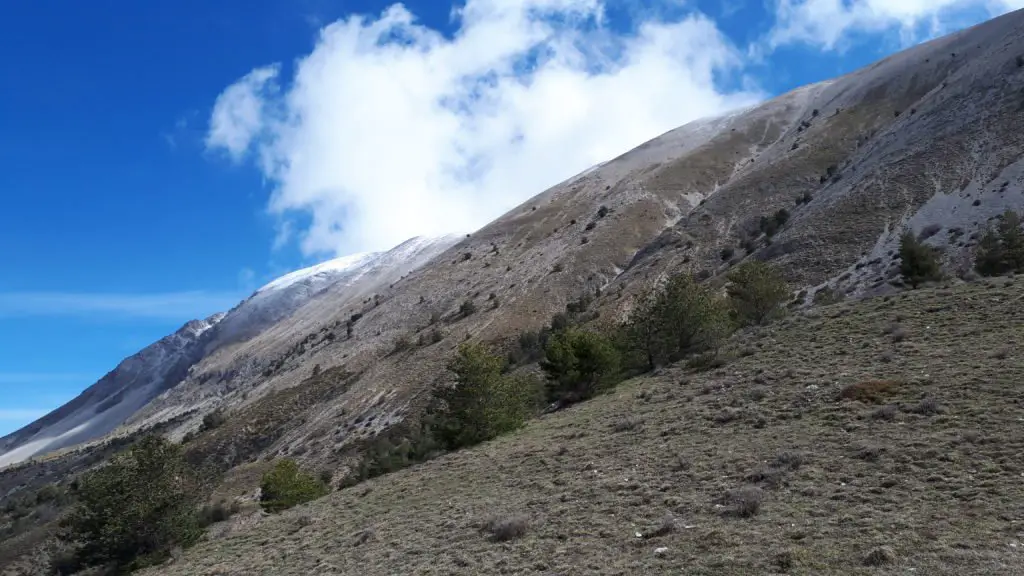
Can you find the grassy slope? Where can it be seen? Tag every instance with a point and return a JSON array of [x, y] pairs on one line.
[[943, 490]]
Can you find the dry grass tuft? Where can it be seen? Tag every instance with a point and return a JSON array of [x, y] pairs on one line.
[[869, 392]]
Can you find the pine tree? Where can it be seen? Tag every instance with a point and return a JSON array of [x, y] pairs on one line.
[[1001, 250], [134, 510], [683, 317], [483, 403], [756, 292], [579, 365]]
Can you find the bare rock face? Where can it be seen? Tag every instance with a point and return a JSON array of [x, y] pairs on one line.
[[922, 141]]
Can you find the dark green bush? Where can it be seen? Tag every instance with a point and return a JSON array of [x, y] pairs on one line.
[[1001, 250], [214, 419], [467, 308], [286, 485], [219, 511], [134, 510], [918, 262]]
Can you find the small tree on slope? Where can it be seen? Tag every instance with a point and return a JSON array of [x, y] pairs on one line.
[[134, 510], [1001, 250], [756, 292], [918, 263]]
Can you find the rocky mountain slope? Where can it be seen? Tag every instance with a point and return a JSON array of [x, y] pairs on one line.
[[929, 140], [132, 387], [114, 398]]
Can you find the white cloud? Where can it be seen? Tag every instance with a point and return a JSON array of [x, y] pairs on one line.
[[826, 23], [388, 129], [176, 306], [238, 112]]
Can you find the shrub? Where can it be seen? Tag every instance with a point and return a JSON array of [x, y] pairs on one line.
[[682, 318], [385, 456], [756, 292], [768, 226], [579, 365], [483, 403], [214, 419], [918, 263], [467, 308], [1001, 250], [745, 502], [219, 511], [132, 512], [827, 296], [781, 217], [504, 529], [402, 343], [286, 485], [727, 253]]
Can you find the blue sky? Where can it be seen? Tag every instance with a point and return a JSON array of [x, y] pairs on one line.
[[159, 160]]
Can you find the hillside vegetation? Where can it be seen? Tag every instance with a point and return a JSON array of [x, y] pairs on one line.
[[881, 435]]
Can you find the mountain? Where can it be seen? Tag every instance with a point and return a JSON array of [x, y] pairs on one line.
[[117, 397], [927, 140], [821, 181]]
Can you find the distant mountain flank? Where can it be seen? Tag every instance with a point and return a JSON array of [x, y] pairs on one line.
[[135, 382]]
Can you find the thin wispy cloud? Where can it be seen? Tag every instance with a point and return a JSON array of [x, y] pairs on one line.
[[7, 378], [162, 306], [826, 23], [390, 129], [22, 414]]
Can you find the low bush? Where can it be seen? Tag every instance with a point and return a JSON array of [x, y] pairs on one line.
[[285, 486], [1001, 250], [918, 262], [870, 392]]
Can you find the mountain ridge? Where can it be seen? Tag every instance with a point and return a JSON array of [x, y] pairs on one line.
[[140, 378]]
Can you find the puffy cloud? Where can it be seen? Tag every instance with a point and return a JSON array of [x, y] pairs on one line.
[[826, 23], [238, 113], [390, 129]]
